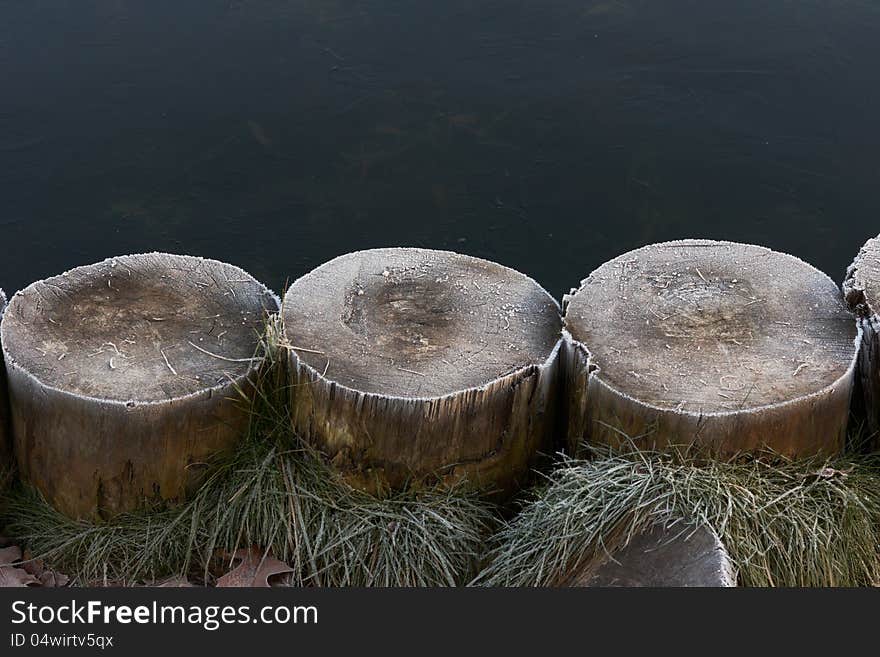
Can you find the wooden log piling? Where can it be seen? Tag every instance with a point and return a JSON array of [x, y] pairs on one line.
[[126, 377], [411, 366], [861, 289], [723, 347], [6, 460]]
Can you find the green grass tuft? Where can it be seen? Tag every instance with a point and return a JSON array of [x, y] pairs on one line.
[[784, 523]]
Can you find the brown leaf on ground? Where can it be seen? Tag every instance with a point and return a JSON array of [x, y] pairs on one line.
[[11, 576], [35, 567], [17, 569], [51, 579], [46, 576], [16, 578], [10, 555], [254, 570]]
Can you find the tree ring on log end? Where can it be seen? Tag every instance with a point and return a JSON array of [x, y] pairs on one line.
[[125, 377], [862, 291], [726, 347], [414, 366]]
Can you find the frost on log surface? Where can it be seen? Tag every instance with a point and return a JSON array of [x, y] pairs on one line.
[[5, 443], [862, 291], [727, 347], [661, 556], [411, 366], [123, 376]]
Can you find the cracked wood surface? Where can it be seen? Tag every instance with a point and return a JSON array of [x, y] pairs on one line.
[[5, 441], [143, 328], [862, 291], [411, 365], [418, 323], [124, 377], [734, 346]]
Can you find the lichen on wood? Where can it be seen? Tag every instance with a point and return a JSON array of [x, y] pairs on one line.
[[126, 377], [725, 347], [412, 366]]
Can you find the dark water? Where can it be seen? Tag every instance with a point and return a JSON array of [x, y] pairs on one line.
[[549, 136]]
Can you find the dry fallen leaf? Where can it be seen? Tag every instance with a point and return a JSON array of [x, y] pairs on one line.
[[47, 577], [10, 574], [35, 567], [16, 578], [255, 569], [51, 579], [18, 570], [10, 555]]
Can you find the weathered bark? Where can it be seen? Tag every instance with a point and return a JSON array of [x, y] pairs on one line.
[[126, 376], [862, 292], [6, 461], [411, 366], [726, 348], [662, 556]]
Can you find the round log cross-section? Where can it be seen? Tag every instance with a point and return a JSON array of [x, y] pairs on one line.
[[126, 376], [862, 291], [417, 367], [5, 443], [720, 347]]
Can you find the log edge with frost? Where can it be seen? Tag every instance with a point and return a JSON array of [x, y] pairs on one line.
[[6, 459], [511, 420], [599, 412], [858, 297], [67, 444]]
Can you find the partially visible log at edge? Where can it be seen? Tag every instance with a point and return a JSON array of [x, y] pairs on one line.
[[6, 460], [866, 392], [503, 427]]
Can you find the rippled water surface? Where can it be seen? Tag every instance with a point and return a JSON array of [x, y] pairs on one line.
[[549, 136]]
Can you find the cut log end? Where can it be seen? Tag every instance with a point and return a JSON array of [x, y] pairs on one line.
[[418, 323], [730, 345], [145, 328], [664, 557], [124, 377], [411, 364]]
